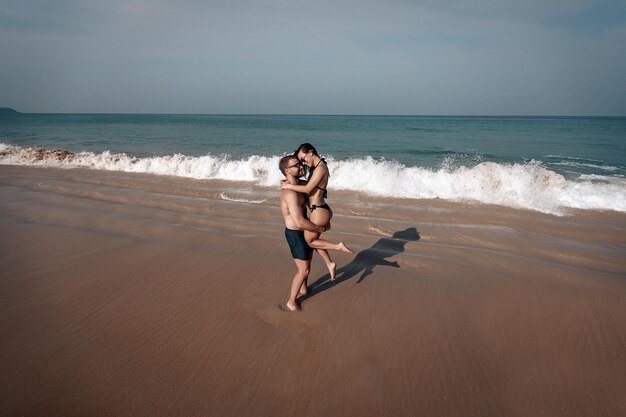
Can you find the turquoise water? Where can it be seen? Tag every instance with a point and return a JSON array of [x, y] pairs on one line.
[[566, 144], [457, 158]]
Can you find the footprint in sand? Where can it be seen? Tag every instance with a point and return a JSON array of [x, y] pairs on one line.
[[276, 315]]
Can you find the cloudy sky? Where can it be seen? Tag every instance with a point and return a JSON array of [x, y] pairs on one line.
[[474, 57]]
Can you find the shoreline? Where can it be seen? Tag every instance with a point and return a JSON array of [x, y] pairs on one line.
[[130, 294], [533, 184]]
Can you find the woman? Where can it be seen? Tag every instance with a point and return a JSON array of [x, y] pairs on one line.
[[320, 211]]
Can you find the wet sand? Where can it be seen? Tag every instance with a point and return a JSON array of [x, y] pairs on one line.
[[137, 295]]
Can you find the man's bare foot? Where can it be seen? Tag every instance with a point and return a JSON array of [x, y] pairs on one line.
[[342, 247], [292, 306], [303, 291], [332, 268]]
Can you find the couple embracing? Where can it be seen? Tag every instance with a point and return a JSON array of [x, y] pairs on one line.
[[301, 231]]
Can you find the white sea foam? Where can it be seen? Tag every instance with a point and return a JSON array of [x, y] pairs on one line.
[[615, 179], [239, 198], [572, 158], [529, 185], [587, 165], [260, 169]]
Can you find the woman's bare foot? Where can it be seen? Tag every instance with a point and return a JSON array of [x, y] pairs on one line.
[[303, 291], [342, 247], [332, 268]]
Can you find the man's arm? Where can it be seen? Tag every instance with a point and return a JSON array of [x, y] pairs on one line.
[[295, 210]]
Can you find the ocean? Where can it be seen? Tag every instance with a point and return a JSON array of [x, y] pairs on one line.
[[548, 164]]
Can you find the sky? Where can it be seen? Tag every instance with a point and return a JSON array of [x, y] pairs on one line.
[[431, 57]]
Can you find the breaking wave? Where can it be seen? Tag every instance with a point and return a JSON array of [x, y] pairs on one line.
[[528, 185]]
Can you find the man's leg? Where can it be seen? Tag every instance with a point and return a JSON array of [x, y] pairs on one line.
[[301, 274], [304, 288]]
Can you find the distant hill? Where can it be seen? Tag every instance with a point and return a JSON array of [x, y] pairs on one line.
[[8, 110]]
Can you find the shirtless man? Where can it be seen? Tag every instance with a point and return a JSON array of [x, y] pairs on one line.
[[293, 210]]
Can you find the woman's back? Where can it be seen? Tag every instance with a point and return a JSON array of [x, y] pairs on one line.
[[319, 193]]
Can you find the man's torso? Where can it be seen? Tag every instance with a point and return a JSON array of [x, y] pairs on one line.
[[284, 208]]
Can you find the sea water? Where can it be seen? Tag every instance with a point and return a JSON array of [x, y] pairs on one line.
[[548, 164]]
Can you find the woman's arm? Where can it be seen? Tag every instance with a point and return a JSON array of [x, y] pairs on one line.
[[318, 174]]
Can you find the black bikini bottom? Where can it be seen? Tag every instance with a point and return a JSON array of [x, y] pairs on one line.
[[322, 206]]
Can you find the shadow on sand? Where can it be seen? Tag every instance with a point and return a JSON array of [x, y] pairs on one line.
[[366, 260]]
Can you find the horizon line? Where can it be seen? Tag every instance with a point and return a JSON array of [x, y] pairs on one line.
[[317, 114]]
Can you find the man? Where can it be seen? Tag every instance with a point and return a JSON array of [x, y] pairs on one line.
[[293, 210]]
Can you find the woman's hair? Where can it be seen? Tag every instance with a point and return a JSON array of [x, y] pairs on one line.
[[305, 147]]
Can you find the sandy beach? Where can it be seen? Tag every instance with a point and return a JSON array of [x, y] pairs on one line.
[[140, 295]]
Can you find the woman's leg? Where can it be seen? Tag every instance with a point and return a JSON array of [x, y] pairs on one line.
[[321, 217], [332, 267], [312, 237]]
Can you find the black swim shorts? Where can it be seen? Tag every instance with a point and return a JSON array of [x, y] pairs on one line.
[[299, 248]]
